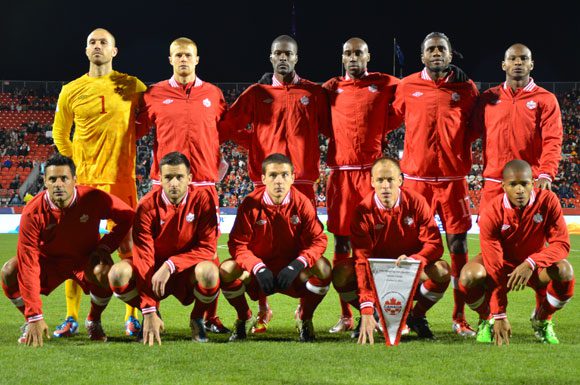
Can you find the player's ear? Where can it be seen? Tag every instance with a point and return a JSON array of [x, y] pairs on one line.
[[196, 60], [368, 56], [503, 65], [531, 65], [170, 60], [263, 179], [115, 51]]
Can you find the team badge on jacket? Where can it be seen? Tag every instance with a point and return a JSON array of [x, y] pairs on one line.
[[206, 102], [305, 100], [168, 101], [538, 218], [504, 227], [268, 101], [408, 221], [294, 219], [190, 217], [531, 104], [339, 90], [455, 97], [84, 218], [261, 222], [373, 88], [417, 94]]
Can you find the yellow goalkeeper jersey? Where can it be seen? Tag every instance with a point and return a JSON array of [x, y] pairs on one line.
[[103, 111]]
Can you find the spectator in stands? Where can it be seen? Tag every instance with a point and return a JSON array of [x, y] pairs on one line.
[[15, 184], [15, 200], [7, 164]]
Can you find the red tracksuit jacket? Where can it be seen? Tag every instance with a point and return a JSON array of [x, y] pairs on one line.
[[437, 116], [526, 125], [379, 232], [275, 235], [360, 118], [510, 236], [186, 121], [180, 236], [284, 119], [65, 238]]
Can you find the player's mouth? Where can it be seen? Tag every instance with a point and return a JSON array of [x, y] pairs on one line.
[[436, 61]]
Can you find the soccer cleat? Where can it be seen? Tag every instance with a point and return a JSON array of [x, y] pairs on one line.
[[405, 330], [95, 330], [197, 330], [544, 331], [356, 331], [215, 325], [262, 320], [240, 331], [484, 331], [344, 324], [23, 333], [306, 330], [132, 327], [462, 328], [68, 328], [420, 326]]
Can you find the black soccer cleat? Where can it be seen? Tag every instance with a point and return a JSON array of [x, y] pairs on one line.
[[215, 325], [420, 326], [240, 331], [306, 330]]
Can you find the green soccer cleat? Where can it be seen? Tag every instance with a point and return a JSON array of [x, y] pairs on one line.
[[544, 331], [484, 331]]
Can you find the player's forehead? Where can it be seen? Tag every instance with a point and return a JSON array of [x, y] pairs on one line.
[[353, 45], [57, 172], [100, 34], [278, 168], [180, 48], [518, 50], [518, 176], [385, 170], [169, 169], [284, 46], [436, 42]]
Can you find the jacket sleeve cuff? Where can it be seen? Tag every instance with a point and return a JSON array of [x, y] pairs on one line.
[[303, 260], [148, 310], [34, 318], [532, 263], [170, 265], [257, 267], [498, 316], [367, 308], [545, 176]]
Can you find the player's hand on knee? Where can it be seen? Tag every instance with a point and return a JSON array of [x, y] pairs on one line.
[[544, 184], [159, 280], [288, 274], [519, 277], [153, 326], [35, 333], [367, 329], [502, 331], [266, 280]]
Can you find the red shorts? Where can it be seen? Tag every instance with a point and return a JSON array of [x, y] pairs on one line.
[[448, 199], [53, 275], [489, 192], [344, 191], [296, 290], [181, 286]]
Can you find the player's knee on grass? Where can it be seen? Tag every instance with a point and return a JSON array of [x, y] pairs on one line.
[[120, 274], [343, 273], [207, 274], [439, 272], [10, 271], [473, 274], [229, 271], [457, 243], [561, 271]]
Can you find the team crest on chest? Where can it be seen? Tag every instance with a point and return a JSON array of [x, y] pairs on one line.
[[190, 217], [294, 219], [504, 227], [84, 218], [417, 94], [305, 100], [455, 97], [120, 90], [538, 218], [161, 222], [531, 105], [206, 102], [373, 88], [168, 101], [339, 90], [261, 222], [408, 221], [268, 101]]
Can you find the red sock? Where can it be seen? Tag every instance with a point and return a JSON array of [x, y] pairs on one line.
[[100, 298], [315, 290], [128, 293], [430, 292], [476, 300], [211, 311], [13, 294], [234, 293], [263, 302], [558, 294], [458, 260], [540, 296], [203, 297]]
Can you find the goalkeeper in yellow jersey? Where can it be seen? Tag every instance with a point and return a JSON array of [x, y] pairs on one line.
[[102, 106]]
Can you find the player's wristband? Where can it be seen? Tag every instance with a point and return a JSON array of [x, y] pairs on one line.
[[531, 263], [148, 310], [303, 260], [545, 176], [34, 318], [171, 266], [367, 305], [258, 267], [499, 316]]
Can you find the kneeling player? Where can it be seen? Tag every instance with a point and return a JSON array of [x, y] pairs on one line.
[[59, 240], [276, 245], [174, 246], [394, 223], [514, 230]]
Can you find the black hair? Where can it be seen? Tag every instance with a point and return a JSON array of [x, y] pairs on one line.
[[278, 159], [174, 158], [284, 39], [60, 160]]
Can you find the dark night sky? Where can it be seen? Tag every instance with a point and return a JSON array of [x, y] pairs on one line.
[[45, 40]]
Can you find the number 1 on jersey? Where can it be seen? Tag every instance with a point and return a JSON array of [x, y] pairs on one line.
[[103, 111]]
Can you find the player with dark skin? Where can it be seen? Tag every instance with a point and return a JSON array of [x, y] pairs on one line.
[[284, 56]]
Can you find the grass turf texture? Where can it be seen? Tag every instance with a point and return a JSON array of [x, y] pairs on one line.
[[277, 358]]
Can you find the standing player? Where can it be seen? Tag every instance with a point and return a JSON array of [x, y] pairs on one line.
[[276, 245], [514, 231], [101, 104], [59, 239], [185, 111], [437, 104], [175, 236], [395, 223], [359, 106], [519, 120], [286, 114]]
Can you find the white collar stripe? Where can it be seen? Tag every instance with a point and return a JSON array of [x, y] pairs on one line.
[[277, 83]]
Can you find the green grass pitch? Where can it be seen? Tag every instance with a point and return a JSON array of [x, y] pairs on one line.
[[277, 357]]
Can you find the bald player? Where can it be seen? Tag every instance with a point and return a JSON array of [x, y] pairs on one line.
[[524, 242], [102, 106], [518, 120], [185, 111], [359, 106], [285, 113]]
